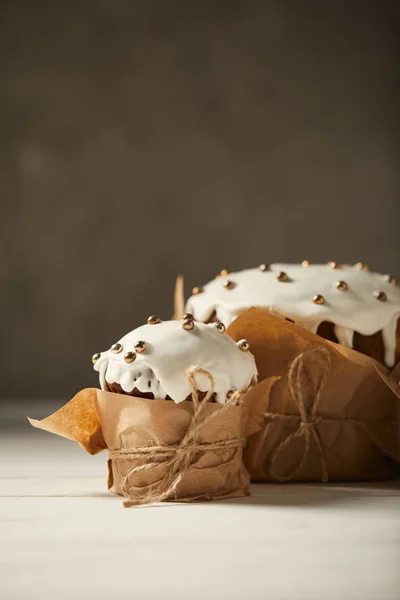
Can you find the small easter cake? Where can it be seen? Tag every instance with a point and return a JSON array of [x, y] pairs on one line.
[[342, 303], [153, 361]]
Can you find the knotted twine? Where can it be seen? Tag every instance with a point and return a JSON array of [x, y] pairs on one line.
[[301, 388], [176, 458]]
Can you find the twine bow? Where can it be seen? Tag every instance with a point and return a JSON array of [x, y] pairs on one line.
[[176, 458], [300, 388]]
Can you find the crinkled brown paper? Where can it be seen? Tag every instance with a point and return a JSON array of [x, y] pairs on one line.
[[100, 420], [351, 433]]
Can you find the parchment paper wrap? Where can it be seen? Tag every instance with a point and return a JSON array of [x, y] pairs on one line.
[[146, 439], [332, 413]]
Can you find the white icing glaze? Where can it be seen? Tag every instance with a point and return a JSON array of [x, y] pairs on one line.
[[344, 336], [389, 341], [170, 352], [356, 309]]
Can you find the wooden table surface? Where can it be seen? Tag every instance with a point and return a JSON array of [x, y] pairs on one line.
[[62, 535]]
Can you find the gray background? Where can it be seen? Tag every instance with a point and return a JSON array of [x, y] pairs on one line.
[[140, 139]]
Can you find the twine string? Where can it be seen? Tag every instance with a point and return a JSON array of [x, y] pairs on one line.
[[175, 458], [301, 388]]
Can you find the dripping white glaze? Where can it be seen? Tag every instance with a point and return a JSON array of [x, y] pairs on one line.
[[356, 309], [170, 353], [389, 341], [344, 335]]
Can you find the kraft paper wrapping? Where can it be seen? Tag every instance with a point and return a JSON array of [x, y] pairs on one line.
[[332, 413], [179, 298], [143, 437]]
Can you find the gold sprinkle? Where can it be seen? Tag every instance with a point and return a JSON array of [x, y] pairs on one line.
[[224, 272], [153, 320], [95, 357], [129, 357], [187, 316], [116, 348], [197, 290], [140, 347], [381, 296], [229, 285], [318, 299], [243, 345], [342, 286], [305, 264], [188, 324], [220, 327], [334, 265], [362, 266], [392, 280], [282, 276], [264, 267]]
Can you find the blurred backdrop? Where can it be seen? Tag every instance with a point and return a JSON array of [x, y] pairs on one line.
[[141, 139]]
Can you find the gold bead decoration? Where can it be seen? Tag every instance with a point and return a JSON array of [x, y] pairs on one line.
[[381, 296], [187, 316], [243, 345], [220, 327], [318, 299], [95, 357], [223, 273], [362, 266], [342, 286], [282, 276], [305, 264], [392, 280], [116, 348], [264, 268], [188, 324], [197, 290], [153, 320], [229, 285], [140, 347], [334, 265], [129, 357]]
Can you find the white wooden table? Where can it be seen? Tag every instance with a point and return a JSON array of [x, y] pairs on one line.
[[62, 535]]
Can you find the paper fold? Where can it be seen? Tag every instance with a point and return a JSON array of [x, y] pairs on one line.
[[78, 421]]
